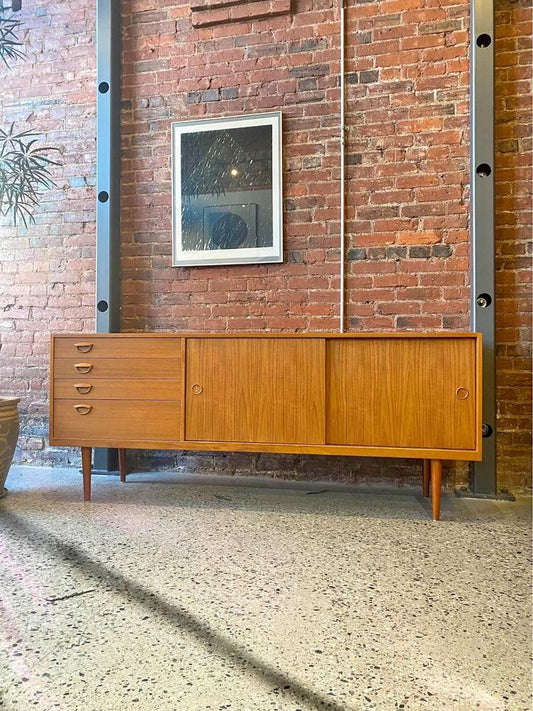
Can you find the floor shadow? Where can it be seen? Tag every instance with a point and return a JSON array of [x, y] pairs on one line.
[[214, 641]]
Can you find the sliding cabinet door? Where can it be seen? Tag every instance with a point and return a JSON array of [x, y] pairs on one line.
[[402, 392], [255, 390]]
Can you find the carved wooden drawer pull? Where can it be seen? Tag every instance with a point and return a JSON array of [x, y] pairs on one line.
[[83, 367], [462, 393], [197, 389], [83, 409], [83, 388], [84, 347]]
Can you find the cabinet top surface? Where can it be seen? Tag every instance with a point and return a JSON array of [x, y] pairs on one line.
[[271, 334]]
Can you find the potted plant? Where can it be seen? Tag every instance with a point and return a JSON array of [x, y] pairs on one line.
[[9, 431]]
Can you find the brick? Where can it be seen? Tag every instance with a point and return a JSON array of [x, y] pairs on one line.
[[229, 93], [315, 70], [307, 85], [356, 254], [209, 13], [418, 237], [209, 17], [308, 45], [441, 250], [369, 76], [210, 95], [420, 252]]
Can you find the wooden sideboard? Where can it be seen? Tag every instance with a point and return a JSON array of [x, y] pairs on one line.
[[414, 395]]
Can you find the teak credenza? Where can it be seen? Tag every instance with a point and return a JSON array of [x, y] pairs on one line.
[[415, 395]]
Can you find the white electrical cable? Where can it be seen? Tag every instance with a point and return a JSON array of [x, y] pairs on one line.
[[342, 129]]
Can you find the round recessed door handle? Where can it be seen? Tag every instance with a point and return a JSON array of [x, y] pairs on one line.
[[83, 388], [197, 389], [83, 409], [84, 347], [83, 367], [462, 393]]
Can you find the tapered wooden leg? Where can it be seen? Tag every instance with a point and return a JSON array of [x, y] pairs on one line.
[[436, 478], [86, 466], [426, 474], [122, 464]]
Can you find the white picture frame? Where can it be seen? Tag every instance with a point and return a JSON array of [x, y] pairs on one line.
[[227, 190]]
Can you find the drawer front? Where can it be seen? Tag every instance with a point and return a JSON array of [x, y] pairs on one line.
[[121, 420], [120, 389], [88, 368], [93, 346]]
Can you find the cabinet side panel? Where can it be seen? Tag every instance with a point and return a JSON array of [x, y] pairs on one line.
[[51, 434]]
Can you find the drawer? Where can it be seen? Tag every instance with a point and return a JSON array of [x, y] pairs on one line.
[[115, 346], [120, 389], [88, 368], [120, 420]]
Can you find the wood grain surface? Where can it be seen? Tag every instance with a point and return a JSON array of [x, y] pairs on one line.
[[255, 390], [402, 393], [122, 420]]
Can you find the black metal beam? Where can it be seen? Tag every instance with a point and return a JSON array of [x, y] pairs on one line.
[[482, 228], [108, 75]]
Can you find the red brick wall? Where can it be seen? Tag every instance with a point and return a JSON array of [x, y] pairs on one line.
[[47, 271], [513, 240], [407, 187], [407, 174]]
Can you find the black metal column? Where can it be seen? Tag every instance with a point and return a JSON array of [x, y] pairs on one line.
[[108, 73], [482, 228]]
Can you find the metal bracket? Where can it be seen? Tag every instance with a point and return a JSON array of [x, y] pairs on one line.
[[503, 495]]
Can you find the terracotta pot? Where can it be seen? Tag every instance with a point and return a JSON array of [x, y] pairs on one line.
[[9, 432]]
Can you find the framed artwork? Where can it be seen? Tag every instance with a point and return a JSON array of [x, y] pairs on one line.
[[227, 190]]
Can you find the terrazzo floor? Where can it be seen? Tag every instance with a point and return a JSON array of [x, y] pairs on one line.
[[180, 593]]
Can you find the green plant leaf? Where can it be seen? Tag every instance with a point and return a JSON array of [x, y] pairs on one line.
[[11, 48], [24, 173]]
